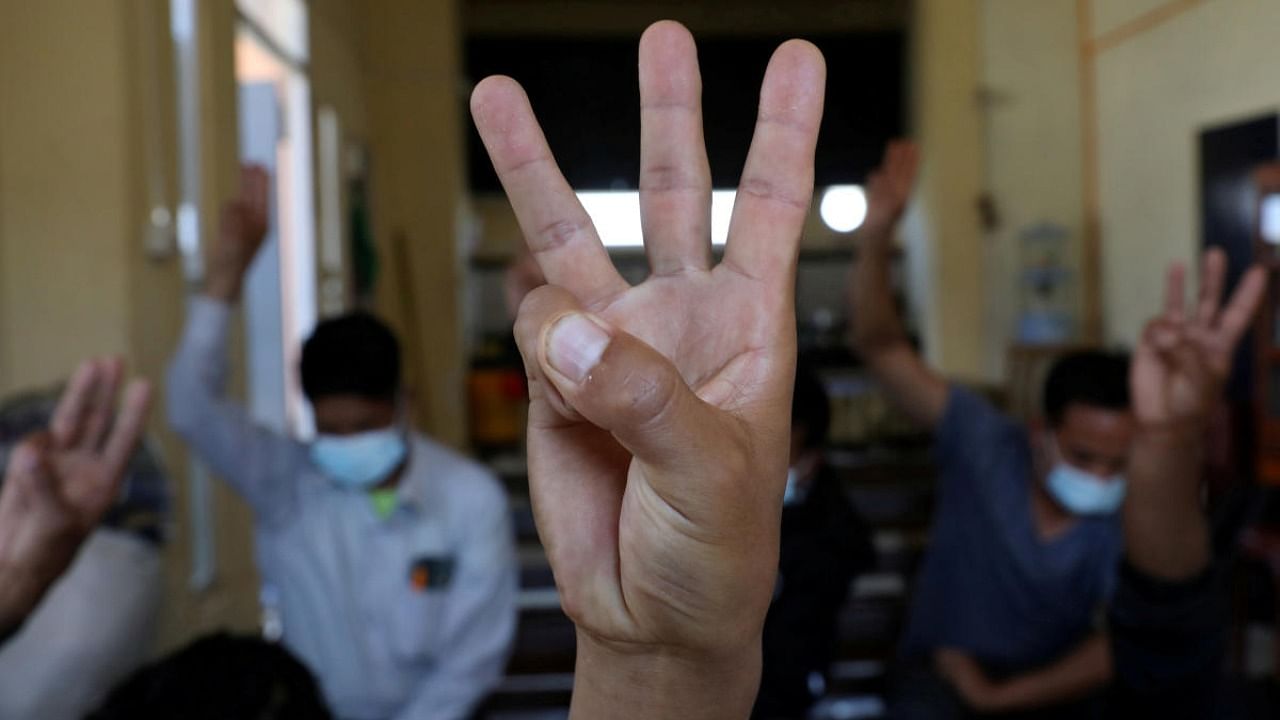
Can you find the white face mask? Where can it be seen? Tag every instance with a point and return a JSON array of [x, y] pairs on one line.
[[361, 461], [1083, 493]]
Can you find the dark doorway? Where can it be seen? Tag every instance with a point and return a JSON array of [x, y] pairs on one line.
[[1228, 156]]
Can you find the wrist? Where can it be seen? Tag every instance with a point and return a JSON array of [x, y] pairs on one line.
[[17, 598], [223, 287], [876, 239], [1173, 434], [652, 681]]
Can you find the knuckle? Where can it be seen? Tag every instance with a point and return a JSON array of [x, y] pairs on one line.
[[558, 233]]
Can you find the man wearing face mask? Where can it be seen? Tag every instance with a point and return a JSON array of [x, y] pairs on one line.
[[1026, 538], [825, 546], [391, 558]]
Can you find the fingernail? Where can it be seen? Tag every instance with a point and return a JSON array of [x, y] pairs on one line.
[[575, 345]]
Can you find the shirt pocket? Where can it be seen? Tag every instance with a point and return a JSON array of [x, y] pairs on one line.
[[417, 623]]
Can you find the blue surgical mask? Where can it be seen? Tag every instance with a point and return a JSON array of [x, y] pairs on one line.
[[1083, 493], [358, 462]]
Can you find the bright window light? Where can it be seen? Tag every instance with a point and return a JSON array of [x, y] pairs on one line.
[[843, 207], [1271, 218], [616, 214]]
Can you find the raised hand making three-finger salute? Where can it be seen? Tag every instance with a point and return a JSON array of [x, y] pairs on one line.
[[60, 482], [658, 432], [1180, 365]]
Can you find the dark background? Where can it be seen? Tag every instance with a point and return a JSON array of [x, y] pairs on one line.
[[585, 94]]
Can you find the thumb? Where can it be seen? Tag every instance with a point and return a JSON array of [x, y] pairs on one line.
[[620, 384]]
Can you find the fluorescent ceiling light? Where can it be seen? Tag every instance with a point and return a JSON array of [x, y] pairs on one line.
[[616, 215], [843, 207]]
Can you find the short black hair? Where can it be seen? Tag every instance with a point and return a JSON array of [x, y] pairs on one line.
[[1094, 378], [810, 407], [354, 354], [219, 677]]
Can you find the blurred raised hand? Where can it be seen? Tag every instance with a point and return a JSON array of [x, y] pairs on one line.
[[658, 431], [1184, 356], [889, 188], [242, 228], [60, 482], [1179, 368]]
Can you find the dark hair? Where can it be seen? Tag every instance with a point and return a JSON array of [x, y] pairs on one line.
[[219, 677], [810, 408], [355, 354], [1093, 378]]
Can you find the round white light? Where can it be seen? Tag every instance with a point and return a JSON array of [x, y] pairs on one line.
[[843, 207]]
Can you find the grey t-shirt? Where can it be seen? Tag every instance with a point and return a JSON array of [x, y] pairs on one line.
[[989, 584]]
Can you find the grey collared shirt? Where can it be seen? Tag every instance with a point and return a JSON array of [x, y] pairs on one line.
[[411, 616]]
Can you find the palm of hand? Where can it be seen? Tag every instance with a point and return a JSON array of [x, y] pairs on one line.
[[722, 336], [84, 481], [659, 536], [244, 222]]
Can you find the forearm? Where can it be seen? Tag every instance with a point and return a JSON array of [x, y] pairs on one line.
[[197, 373], [23, 587], [1166, 533], [876, 323], [15, 603], [1082, 671], [626, 683]]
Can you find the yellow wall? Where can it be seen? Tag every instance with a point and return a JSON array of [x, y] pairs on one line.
[[415, 107], [1165, 71], [1030, 105], [65, 221], [1212, 64], [946, 273]]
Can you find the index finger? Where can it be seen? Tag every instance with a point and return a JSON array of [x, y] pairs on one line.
[[777, 181], [556, 227], [1174, 292], [68, 418]]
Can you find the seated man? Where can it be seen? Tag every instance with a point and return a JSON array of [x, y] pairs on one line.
[[391, 557], [96, 623], [1026, 538], [825, 546]]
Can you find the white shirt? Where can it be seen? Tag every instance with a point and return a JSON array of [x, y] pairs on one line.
[[381, 646], [95, 625]]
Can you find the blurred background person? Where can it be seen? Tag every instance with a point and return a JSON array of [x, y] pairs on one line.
[[1026, 538], [826, 545], [391, 555]]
